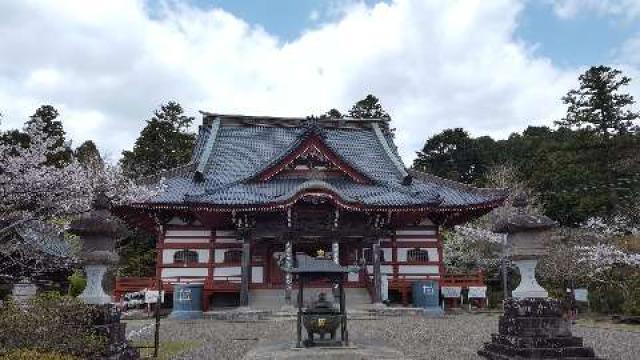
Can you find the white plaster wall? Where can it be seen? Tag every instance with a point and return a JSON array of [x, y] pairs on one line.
[[218, 255], [433, 254], [384, 269], [227, 271], [168, 254], [418, 269], [174, 272], [257, 276], [388, 254], [178, 233]]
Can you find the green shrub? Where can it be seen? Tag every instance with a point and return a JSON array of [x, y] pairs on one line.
[[606, 299], [27, 354], [631, 304], [77, 283], [50, 323]]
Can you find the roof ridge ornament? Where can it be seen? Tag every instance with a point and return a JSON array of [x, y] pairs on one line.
[[312, 126], [406, 178], [201, 168]]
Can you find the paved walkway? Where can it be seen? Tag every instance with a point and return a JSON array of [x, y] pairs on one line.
[[455, 337]]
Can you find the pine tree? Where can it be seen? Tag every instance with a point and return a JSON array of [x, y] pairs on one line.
[[600, 108], [53, 128], [163, 144], [88, 155], [369, 108], [452, 154]]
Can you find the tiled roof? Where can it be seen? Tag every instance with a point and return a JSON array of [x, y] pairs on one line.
[[240, 151], [44, 238]]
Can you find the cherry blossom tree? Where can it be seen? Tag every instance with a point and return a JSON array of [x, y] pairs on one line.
[[35, 194]]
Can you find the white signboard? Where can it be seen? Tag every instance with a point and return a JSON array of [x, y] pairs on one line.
[[151, 296], [450, 291], [477, 292], [581, 295], [384, 285]]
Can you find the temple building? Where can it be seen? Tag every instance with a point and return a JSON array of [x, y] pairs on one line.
[[262, 189]]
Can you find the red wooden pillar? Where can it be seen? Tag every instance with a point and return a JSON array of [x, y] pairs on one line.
[[394, 256], [404, 292], [159, 255], [440, 252]]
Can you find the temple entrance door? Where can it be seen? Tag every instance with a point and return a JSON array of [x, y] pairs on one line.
[[276, 276]]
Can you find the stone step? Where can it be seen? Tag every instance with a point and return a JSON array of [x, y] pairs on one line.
[[273, 299]]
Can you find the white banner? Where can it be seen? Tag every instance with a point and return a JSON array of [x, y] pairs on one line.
[[477, 292], [581, 295], [151, 296], [384, 285], [450, 291]]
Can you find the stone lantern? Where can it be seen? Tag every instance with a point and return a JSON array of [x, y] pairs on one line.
[[533, 326], [528, 238], [98, 231]]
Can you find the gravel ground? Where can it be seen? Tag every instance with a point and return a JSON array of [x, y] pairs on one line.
[[455, 337]]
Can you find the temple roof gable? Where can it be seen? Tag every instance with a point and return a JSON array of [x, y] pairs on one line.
[[244, 161]]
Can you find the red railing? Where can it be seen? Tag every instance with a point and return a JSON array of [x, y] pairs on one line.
[[218, 283], [132, 284]]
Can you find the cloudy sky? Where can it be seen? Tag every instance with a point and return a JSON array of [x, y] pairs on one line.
[[491, 67]]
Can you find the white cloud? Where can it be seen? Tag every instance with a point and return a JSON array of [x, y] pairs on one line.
[[435, 64], [568, 9]]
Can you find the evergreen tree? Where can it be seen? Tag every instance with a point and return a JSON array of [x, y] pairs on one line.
[[163, 144], [452, 154], [89, 155], [369, 108], [332, 114], [53, 129], [599, 107]]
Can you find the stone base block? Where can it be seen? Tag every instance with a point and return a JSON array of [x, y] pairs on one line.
[[533, 328]]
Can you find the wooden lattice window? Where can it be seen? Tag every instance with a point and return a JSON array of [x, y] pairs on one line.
[[417, 255], [232, 256], [185, 257]]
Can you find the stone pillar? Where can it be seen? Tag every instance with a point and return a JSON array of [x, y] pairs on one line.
[[377, 280], [288, 279], [335, 252], [245, 272]]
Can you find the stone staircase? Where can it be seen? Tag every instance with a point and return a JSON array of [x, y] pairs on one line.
[[273, 299]]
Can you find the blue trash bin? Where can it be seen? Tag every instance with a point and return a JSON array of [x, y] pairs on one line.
[[426, 295], [187, 302]]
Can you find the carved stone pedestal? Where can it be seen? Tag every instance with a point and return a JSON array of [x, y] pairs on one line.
[[533, 328], [529, 287], [93, 293]]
